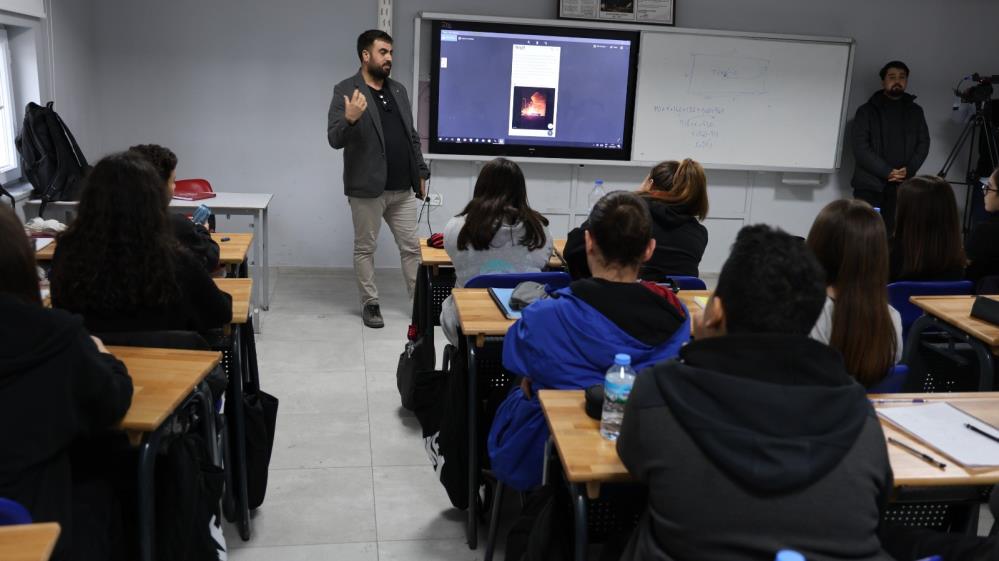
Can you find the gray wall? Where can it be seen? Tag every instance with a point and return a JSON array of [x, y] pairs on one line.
[[240, 91], [75, 85]]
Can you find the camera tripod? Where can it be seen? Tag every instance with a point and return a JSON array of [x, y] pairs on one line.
[[978, 128]]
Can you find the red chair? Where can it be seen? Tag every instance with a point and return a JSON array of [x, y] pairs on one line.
[[192, 186]]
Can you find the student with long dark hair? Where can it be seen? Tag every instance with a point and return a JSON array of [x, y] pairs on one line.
[[57, 385], [848, 237], [927, 241], [194, 237], [677, 196], [983, 243], [497, 232], [569, 341], [119, 264]]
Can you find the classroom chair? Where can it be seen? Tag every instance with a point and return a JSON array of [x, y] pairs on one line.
[[688, 283], [899, 293], [12, 512], [555, 280], [893, 382], [192, 186]]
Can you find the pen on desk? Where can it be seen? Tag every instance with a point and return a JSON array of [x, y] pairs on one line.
[[226, 238], [925, 457], [917, 400], [971, 427]]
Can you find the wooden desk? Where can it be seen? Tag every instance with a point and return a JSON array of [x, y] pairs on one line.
[[162, 378], [231, 252], [28, 542], [952, 314], [240, 290], [480, 317], [433, 257], [590, 460]]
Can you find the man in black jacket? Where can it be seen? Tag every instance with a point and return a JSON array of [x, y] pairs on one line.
[[757, 439], [890, 141]]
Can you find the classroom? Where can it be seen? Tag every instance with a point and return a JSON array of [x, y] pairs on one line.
[[629, 279]]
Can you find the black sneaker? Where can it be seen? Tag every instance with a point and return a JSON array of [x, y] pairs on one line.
[[372, 316]]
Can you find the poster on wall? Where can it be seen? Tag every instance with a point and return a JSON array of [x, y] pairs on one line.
[[647, 12]]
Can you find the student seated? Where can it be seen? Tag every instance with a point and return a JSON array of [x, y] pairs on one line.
[[569, 340], [498, 232], [927, 242], [194, 237], [848, 238], [57, 384], [982, 246], [119, 264], [677, 195], [757, 439]]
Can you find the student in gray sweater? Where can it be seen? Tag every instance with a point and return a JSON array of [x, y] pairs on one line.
[[497, 232]]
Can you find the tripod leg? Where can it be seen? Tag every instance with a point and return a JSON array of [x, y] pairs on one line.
[[961, 140]]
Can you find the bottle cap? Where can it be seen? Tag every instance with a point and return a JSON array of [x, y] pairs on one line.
[[599, 182], [789, 555], [622, 359]]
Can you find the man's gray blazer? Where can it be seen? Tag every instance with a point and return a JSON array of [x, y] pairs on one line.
[[365, 168]]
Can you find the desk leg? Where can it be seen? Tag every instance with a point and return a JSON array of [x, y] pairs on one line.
[[265, 274], [250, 350], [147, 495], [547, 462], [473, 450], [204, 397], [238, 440], [578, 494]]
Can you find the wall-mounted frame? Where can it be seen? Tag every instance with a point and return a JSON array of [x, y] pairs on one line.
[[644, 12]]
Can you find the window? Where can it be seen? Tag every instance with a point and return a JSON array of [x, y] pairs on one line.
[[8, 152]]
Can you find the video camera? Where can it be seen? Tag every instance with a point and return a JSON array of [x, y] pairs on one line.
[[980, 92]]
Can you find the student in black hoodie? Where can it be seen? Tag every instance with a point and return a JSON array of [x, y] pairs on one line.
[[757, 439], [677, 195], [57, 384], [194, 237], [119, 265]]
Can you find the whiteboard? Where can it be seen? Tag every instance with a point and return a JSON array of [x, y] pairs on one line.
[[741, 102]]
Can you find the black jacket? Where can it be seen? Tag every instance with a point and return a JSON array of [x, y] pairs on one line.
[[680, 244], [869, 132], [754, 443], [201, 305], [55, 387], [982, 248], [197, 239]]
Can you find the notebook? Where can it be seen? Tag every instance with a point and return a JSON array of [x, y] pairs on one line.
[[942, 426], [502, 298], [192, 196]]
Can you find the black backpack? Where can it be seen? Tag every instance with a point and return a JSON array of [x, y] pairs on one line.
[[51, 159]]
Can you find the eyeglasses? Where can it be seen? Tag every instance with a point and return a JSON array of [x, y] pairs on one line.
[[986, 188]]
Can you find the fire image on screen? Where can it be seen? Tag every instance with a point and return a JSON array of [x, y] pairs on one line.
[[533, 93], [536, 109]]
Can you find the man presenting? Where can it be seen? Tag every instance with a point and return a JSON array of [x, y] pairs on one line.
[[370, 118], [890, 142]]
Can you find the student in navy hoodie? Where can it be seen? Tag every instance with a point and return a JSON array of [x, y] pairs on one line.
[[569, 340], [57, 385]]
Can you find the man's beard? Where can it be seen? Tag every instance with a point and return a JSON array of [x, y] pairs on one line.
[[896, 91], [378, 71]]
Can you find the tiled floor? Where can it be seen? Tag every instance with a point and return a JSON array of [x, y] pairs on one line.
[[349, 477]]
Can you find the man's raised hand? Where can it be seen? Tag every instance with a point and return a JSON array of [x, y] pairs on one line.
[[354, 106]]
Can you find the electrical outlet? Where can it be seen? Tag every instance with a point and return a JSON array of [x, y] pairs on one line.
[[436, 199]]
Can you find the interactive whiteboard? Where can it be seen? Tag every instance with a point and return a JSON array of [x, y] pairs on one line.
[[741, 102]]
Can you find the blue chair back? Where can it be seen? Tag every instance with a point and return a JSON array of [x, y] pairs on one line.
[[11, 513], [511, 280], [899, 293], [893, 382], [688, 283]]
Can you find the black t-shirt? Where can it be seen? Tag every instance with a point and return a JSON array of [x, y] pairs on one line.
[[894, 133], [398, 142]]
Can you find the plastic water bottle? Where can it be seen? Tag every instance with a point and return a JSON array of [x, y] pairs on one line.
[[789, 555], [596, 194], [617, 387]]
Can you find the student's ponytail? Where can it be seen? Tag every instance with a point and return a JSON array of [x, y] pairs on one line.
[[687, 186]]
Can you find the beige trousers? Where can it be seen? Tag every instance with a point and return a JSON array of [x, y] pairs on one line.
[[398, 209]]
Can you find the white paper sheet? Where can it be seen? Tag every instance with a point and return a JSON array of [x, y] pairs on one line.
[[941, 425], [40, 243]]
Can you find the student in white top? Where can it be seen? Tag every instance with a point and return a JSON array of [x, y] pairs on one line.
[[498, 232], [848, 237]]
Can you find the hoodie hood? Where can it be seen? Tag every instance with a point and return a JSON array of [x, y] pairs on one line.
[[879, 99], [667, 216], [775, 412], [31, 334]]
